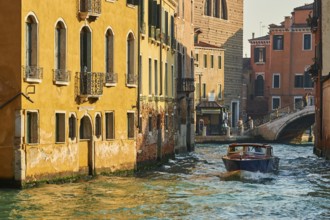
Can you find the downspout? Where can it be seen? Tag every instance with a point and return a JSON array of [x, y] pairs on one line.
[[139, 65], [161, 47]]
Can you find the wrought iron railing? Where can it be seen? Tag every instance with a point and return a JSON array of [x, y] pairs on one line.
[[111, 78], [131, 79], [61, 76], [279, 113], [32, 73], [89, 8], [185, 85], [91, 84]]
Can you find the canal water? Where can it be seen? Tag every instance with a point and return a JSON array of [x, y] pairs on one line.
[[192, 186]]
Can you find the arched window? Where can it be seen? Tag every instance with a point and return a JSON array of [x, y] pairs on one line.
[[72, 127], [259, 86], [216, 8], [207, 7], [109, 51], [60, 46], [85, 50], [31, 43], [224, 14], [98, 126], [130, 59]]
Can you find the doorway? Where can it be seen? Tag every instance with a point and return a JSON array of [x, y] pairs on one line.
[[86, 148]]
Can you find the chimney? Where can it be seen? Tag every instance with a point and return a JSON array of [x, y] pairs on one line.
[[252, 35]]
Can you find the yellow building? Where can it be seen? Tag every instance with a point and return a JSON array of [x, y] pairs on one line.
[[157, 125], [68, 88], [211, 114]]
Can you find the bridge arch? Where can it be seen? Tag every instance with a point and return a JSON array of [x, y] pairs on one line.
[[295, 127]]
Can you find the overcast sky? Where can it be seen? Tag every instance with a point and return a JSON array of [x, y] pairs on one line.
[[258, 14]]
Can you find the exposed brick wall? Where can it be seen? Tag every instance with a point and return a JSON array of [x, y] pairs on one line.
[[229, 35]]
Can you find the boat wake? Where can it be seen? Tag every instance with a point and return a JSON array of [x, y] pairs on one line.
[[247, 176]]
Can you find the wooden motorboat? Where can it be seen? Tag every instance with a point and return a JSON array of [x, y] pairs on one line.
[[251, 157]]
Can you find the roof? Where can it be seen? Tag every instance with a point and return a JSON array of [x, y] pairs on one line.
[[305, 7], [266, 37], [203, 44], [209, 104]]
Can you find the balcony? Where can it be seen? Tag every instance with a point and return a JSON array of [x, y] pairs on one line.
[[89, 9], [61, 76], [185, 85], [32, 74], [152, 32], [143, 28], [91, 84], [111, 79], [131, 80]]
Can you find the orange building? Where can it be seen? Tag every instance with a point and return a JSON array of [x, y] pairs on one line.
[[279, 63]]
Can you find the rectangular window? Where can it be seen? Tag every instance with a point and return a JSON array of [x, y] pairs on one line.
[[204, 91], [205, 61], [276, 81], [130, 125], [150, 123], [276, 102], [219, 62], [150, 76], [278, 42], [196, 57], [298, 81], [259, 55], [32, 128], [60, 127], [156, 76], [219, 92], [172, 82], [307, 41], [109, 125], [212, 60], [166, 80], [308, 83], [72, 127]]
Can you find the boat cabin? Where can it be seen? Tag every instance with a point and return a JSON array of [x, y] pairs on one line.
[[250, 150]]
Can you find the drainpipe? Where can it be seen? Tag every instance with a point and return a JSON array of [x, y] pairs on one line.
[[139, 65]]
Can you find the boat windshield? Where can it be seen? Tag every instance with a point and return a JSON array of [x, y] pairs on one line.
[[255, 150]]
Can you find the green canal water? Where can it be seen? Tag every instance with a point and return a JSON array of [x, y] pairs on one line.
[[193, 186]]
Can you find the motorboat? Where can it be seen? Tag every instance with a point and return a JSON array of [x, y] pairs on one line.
[[251, 157]]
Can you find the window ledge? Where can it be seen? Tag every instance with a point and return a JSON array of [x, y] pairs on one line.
[[131, 85], [61, 83], [31, 80], [260, 63], [110, 84]]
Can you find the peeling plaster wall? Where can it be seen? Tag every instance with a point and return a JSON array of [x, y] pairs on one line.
[[49, 160], [114, 156]]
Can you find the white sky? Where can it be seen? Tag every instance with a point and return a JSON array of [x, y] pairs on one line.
[[258, 14]]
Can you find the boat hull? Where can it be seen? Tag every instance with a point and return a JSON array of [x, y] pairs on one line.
[[267, 165]]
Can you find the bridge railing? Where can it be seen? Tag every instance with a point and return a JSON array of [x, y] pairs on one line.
[[279, 113]]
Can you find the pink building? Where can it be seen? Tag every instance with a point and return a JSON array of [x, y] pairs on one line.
[[279, 64]]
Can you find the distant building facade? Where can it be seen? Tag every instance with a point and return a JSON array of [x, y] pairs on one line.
[[68, 89], [211, 115], [280, 63], [221, 24]]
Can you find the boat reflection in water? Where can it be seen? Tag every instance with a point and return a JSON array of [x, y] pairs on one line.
[[251, 157]]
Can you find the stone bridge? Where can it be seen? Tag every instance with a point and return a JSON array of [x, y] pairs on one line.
[[286, 127]]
